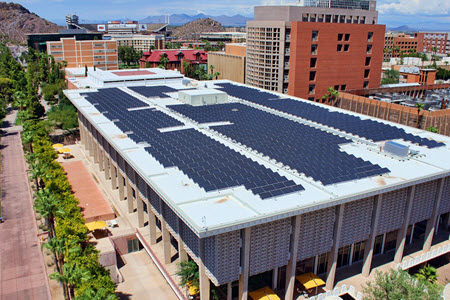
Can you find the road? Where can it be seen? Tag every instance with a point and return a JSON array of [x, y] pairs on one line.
[[22, 270]]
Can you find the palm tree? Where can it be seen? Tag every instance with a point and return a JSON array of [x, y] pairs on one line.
[[188, 272], [423, 57], [91, 294], [428, 273], [163, 60], [216, 74], [20, 100], [330, 95], [48, 206], [38, 171], [419, 107], [212, 67], [27, 139], [72, 275]]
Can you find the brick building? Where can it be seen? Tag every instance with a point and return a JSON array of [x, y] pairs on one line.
[[78, 54], [176, 57], [304, 50], [396, 43], [429, 40]]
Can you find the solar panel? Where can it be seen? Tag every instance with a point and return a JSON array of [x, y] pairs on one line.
[[153, 91], [369, 129]]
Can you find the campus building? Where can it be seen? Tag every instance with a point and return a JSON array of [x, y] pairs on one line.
[[229, 63], [397, 43], [79, 54], [304, 50], [246, 181], [175, 58], [431, 41], [140, 42]]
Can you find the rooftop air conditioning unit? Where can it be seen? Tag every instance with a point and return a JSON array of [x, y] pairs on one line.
[[396, 149]]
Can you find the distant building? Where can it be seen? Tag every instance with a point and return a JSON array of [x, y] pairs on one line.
[[397, 43], [38, 41], [416, 75], [234, 37], [304, 50], [128, 27], [176, 57], [78, 54], [139, 42], [72, 21], [230, 63], [430, 40]]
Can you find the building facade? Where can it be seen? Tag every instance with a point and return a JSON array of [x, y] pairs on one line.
[[230, 63], [238, 225], [78, 54], [397, 43], [175, 58], [304, 50], [437, 42], [139, 42]]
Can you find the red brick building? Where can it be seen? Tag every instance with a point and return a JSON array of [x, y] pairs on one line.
[[429, 40], [176, 57]]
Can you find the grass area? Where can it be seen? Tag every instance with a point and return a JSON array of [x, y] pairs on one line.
[[124, 66]]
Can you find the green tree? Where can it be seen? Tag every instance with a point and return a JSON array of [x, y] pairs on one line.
[[48, 206], [216, 75], [188, 273], [397, 285], [6, 89], [331, 94], [163, 61], [221, 46], [419, 107], [63, 117], [212, 67], [85, 70], [391, 76], [73, 275], [432, 129], [20, 100], [428, 273]]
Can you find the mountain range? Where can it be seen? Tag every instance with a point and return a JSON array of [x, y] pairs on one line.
[[180, 19]]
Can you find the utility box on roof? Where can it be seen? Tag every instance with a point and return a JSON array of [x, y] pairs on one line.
[[202, 97]]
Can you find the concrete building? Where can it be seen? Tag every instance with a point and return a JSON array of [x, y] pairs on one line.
[[78, 54], [234, 37], [304, 50], [230, 63], [38, 41], [241, 199], [140, 42]]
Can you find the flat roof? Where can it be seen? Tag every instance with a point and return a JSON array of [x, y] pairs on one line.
[[208, 208], [149, 73], [196, 92]]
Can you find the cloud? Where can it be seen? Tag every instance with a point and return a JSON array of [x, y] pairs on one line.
[[411, 7]]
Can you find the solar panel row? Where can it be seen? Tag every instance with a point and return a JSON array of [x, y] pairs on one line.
[[369, 129], [153, 91], [206, 161], [311, 151]]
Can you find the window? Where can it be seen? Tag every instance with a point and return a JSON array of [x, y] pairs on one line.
[[315, 35], [312, 75], [366, 73], [340, 36], [358, 251], [343, 87], [336, 87], [313, 49], [369, 49], [312, 88], [322, 263], [313, 62], [347, 37], [346, 48], [133, 245], [343, 256], [366, 85], [311, 98], [368, 59], [339, 48]]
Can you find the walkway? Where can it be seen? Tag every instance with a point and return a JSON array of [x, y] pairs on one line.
[[22, 270]]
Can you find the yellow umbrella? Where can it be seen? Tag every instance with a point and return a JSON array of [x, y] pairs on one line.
[[193, 290], [63, 150], [96, 225], [56, 146], [264, 294], [310, 280]]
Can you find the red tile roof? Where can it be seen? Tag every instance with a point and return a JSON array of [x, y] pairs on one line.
[[154, 56]]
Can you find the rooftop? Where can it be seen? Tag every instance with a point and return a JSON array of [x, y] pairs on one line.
[[261, 157]]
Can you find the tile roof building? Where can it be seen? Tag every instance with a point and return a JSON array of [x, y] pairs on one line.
[[151, 59]]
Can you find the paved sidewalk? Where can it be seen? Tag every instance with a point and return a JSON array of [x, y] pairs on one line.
[[22, 270]]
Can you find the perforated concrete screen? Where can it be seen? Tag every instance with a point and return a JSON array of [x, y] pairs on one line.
[[269, 246], [424, 198], [222, 257], [155, 200], [445, 201], [316, 233], [356, 221], [392, 211], [171, 218], [191, 241]]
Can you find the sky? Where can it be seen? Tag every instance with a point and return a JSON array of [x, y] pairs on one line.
[[418, 14]]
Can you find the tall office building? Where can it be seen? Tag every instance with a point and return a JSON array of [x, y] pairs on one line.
[[303, 50]]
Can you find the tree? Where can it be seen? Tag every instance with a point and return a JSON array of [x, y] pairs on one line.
[[398, 284], [64, 117], [6, 89], [391, 76], [127, 55], [428, 273], [419, 107], [38, 171], [221, 45], [20, 100], [163, 61], [72, 275], [48, 206], [212, 67], [188, 272], [330, 95], [216, 74], [432, 129]]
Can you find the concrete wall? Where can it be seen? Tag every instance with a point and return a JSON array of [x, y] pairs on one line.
[[231, 67]]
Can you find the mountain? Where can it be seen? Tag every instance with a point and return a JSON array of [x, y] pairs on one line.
[[192, 30], [16, 21], [180, 19], [403, 28]]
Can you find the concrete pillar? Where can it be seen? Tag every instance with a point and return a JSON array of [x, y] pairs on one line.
[[130, 198], [114, 181], [332, 258], [431, 223], [91, 145], [229, 291], [121, 180], [95, 146], [245, 267], [140, 209], [401, 235], [370, 242], [151, 225], [101, 156], [291, 266], [107, 167], [166, 242], [275, 279], [204, 280], [88, 143], [182, 254], [81, 129]]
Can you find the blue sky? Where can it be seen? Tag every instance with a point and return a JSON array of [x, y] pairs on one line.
[[421, 14]]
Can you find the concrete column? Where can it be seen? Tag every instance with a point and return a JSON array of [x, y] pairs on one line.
[[91, 145], [140, 209], [290, 269], [431, 223], [229, 291], [204, 280], [151, 225], [88, 143], [332, 258], [275, 279], [114, 181], [130, 198], [95, 146], [121, 185], [166, 242], [370, 242], [107, 168], [401, 235], [243, 278], [101, 156], [182, 254], [81, 128]]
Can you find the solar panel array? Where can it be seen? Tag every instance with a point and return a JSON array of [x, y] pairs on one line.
[[311, 151], [153, 91], [210, 164], [369, 129]]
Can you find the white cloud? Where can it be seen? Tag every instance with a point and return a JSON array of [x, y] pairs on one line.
[[411, 7]]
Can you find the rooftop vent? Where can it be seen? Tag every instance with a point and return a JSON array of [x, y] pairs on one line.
[[396, 149], [202, 97]]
